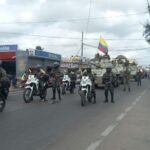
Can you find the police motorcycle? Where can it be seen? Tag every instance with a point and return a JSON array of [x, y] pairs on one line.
[[2, 98], [34, 87], [85, 91], [66, 85]]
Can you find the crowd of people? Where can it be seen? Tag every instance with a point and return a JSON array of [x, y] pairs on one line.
[[54, 75]]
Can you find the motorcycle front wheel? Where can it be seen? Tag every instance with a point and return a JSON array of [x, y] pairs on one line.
[[83, 99], [2, 103], [27, 96]]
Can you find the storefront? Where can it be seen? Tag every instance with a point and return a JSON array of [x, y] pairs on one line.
[[16, 61]]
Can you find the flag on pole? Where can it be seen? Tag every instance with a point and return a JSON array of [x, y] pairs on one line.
[[103, 47]]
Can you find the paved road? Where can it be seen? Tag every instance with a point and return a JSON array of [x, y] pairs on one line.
[[124, 125]]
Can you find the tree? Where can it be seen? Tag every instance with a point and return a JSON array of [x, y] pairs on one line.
[[39, 48], [146, 32]]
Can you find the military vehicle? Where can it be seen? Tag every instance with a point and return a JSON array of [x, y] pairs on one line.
[[120, 62], [99, 64], [133, 69]]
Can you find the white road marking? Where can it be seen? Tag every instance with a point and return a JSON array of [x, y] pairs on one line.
[[121, 116], [94, 145], [128, 109], [134, 103], [108, 130]]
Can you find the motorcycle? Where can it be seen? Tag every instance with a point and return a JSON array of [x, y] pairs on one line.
[[67, 85], [34, 87], [2, 99], [85, 91]]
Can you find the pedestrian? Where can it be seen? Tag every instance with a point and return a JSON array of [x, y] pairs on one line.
[[139, 77], [108, 79], [126, 79], [56, 81]]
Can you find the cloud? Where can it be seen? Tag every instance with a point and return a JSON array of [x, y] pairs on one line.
[[68, 18]]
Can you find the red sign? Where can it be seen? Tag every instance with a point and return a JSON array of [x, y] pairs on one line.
[[7, 55]]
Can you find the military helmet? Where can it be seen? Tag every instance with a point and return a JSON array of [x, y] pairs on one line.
[[56, 64], [109, 66]]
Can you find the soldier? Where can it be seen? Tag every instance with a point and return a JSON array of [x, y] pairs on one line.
[[108, 79], [4, 81], [56, 81], [3, 74], [126, 79], [139, 76], [92, 77], [73, 78]]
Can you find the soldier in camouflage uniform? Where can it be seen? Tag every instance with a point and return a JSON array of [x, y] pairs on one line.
[[92, 77], [126, 79], [3, 74], [4, 81], [108, 79], [56, 81]]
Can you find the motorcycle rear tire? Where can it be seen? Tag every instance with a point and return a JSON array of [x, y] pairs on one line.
[[2, 103], [24, 96]]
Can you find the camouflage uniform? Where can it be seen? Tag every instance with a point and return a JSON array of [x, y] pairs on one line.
[[126, 79], [108, 79], [92, 78], [139, 76], [3, 74], [56, 82], [5, 82], [73, 78]]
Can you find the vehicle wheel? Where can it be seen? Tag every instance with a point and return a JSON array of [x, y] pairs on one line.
[[26, 96], [83, 101], [43, 95], [63, 90], [2, 103]]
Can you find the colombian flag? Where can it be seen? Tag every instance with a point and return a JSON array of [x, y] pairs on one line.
[[103, 47]]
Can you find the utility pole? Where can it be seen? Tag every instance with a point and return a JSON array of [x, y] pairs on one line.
[[81, 51]]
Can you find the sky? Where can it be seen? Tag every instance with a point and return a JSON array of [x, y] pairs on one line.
[[57, 26]]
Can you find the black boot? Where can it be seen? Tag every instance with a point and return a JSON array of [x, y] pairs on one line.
[[59, 95], [112, 98], [54, 94], [129, 89], [94, 97], [106, 96]]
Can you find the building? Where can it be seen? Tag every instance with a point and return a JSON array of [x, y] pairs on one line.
[[16, 61]]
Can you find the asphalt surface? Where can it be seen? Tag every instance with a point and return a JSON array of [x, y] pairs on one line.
[[66, 125]]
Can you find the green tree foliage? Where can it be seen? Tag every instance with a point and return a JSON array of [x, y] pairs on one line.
[[146, 32], [39, 48]]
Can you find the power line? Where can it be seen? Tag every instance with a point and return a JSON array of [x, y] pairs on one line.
[[74, 19], [68, 38]]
